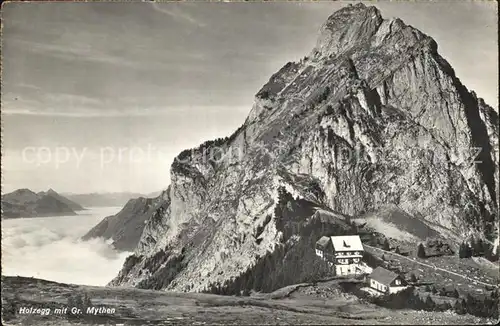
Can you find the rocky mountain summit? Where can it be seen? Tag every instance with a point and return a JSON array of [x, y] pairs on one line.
[[372, 117], [26, 203]]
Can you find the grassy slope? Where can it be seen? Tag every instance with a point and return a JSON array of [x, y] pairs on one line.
[[135, 306]]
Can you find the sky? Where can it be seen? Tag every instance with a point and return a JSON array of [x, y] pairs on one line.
[[100, 97]]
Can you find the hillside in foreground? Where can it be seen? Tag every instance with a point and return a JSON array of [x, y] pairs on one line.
[[323, 303]]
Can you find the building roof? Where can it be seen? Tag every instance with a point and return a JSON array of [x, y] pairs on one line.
[[347, 243], [322, 242], [331, 217], [383, 276]]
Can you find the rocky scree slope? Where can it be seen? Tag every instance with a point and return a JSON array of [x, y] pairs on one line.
[[374, 116]]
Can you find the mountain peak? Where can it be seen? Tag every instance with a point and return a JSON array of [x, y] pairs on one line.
[[23, 190], [374, 88], [348, 26], [358, 26]]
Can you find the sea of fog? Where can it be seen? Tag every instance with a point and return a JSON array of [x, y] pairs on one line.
[[50, 248]]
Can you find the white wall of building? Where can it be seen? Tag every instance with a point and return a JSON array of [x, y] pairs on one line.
[[378, 286], [381, 287], [347, 269], [396, 289]]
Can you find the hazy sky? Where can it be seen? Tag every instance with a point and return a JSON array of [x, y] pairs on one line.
[[102, 96]]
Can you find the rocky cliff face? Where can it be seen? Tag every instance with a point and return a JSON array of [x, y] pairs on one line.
[[374, 116], [125, 228]]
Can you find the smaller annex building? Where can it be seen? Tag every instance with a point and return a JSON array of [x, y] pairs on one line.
[[386, 281]]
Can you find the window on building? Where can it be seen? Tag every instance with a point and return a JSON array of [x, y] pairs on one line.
[[398, 282]]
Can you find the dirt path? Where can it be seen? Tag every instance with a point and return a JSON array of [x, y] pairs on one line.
[[432, 266]]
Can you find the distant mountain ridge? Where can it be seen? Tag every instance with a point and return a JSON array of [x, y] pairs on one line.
[[73, 205], [26, 203], [106, 199]]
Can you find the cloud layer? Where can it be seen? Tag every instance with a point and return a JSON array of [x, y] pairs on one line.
[[49, 248]]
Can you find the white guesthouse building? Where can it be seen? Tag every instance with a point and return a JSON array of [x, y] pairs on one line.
[[343, 252]]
